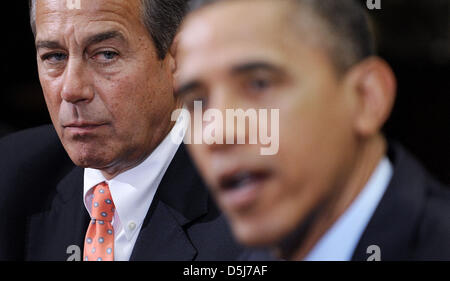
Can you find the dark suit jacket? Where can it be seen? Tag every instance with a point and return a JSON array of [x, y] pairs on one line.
[[42, 211], [412, 220]]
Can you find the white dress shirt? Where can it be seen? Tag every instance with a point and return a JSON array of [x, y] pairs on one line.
[[340, 241], [133, 191]]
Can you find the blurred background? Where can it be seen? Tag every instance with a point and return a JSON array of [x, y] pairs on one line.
[[412, 35]]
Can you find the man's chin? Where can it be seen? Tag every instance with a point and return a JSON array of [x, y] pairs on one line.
[[87, 157], [87, 162], [257, 234]]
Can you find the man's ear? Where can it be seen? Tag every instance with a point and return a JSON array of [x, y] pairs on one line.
[[173, 53], [173, 64], [374, 86]]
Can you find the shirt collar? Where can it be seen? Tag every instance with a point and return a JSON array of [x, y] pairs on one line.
[[340, 241], [133, 190]]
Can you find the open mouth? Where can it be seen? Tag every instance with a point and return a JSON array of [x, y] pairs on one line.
[[242, 179], [241, 189]]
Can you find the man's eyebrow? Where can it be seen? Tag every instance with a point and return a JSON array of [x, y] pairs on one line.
[[48, 44], [94, 39], [100, 37], [185, 88], [253, 66]]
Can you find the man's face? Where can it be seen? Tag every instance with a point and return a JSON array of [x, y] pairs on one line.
[[108, 94], [261, 62]]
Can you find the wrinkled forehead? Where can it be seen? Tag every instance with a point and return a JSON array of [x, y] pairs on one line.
[[53, 16]]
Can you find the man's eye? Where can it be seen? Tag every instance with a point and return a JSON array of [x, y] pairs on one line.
[[105, 56], [55, 57], [259, 85]]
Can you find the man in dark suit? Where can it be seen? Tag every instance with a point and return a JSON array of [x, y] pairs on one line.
[[108, 181], [43, 213], [333, 187]]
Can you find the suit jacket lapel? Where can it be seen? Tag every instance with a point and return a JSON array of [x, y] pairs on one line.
[[162, 239], [180, 200], [52, 231], [394, 222]]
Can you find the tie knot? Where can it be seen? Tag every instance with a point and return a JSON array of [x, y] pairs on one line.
[[102, 204]]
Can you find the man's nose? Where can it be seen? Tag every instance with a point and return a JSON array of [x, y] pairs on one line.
[[76, 84], [223, 100]]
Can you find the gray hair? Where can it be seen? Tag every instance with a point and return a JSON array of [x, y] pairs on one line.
[[162, 19]]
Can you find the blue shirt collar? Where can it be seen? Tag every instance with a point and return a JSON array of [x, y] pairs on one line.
[[340, 241]]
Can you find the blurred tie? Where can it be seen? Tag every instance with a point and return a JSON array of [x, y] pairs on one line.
[[99, 241]]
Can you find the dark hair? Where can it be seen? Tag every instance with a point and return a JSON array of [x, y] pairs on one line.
[[346, 22], [161, 17]]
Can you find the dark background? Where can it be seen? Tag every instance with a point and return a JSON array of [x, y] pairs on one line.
[[412, 35]]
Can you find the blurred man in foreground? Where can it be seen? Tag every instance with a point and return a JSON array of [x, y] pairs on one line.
[[335, 189]]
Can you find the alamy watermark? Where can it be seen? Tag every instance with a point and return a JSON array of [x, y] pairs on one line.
[[73, 4], [375, 253], [74, 253], [212, 127], [373, 4]]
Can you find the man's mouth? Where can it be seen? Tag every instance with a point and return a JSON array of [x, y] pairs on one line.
[[83, 127], [241, 189], [241, 179]]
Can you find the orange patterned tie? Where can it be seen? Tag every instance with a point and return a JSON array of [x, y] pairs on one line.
[[99, 241]]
